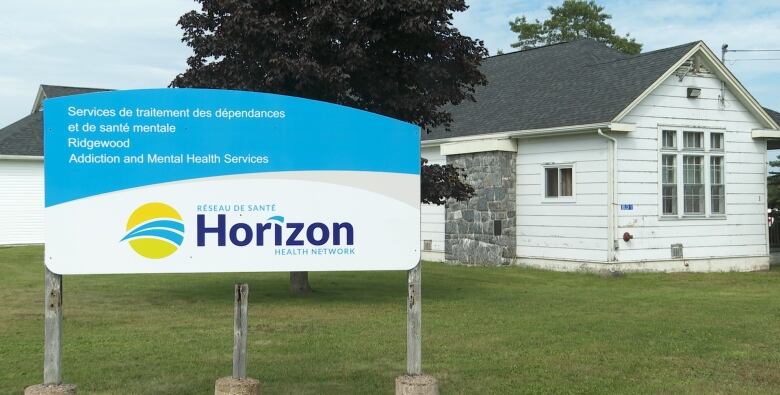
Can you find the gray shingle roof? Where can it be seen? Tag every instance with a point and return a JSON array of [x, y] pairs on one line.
[[774, 114], [25, 136], [52, 91], [771, 143], [573, 83]]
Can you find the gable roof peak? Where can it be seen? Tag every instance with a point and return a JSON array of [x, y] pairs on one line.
[[581, 42], [578, 82], [46, 91]]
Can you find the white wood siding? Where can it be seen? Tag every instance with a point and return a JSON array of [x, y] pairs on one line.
[[21, 202], [743, 231], [565, 230], [431, 215]]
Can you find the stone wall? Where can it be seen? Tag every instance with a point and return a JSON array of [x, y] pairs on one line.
[[482, 229]]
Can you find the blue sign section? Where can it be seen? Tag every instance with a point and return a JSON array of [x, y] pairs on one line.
[[111, 141]]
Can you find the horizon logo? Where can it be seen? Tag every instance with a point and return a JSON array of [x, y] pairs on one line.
[[154, 230], [275, 232]]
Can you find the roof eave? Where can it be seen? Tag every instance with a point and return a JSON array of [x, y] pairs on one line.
[[34, 158], [527, 133], [722, 72], [38, 100]]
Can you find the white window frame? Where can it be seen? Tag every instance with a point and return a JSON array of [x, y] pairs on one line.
[[722, 141], [706, 152], [722, 182], [559, 199], [674, 139], [676, 183]]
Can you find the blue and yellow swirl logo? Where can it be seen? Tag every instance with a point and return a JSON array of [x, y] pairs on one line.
[[155, 230]]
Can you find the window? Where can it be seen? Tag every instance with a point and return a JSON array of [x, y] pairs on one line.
[[692, 179], [669, 187], [497, 227], [716, 141], [693, 140], [669, 139], [551, 182], [558, 182], [566, 182], [693, 184], [717, 189]]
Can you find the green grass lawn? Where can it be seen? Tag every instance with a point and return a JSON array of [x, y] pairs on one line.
[[485, 331]]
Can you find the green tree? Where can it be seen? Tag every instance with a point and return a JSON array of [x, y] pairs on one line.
[[403, 59], [773, 184], [572, 20]]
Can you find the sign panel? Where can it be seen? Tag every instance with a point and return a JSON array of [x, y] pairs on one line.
[[198, 180]]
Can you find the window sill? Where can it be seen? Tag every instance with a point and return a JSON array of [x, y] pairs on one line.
[[691, 217], [565, 200]]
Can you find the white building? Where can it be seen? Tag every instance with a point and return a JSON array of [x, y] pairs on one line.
[[570, 147], [587, 159], [21, 172]]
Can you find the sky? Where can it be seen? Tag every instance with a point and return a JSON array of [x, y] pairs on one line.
[[126, 44]]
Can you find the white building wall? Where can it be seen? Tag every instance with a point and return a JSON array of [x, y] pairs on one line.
[[21, 202], [574, 230], [743, 230], [432, 216]]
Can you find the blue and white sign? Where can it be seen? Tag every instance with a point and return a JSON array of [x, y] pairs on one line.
[[198, 180]]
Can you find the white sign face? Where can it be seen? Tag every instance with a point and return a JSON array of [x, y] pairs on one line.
[[192, 180]]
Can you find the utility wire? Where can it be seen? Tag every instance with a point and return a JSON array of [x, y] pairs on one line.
[[753, 50], [750, 60]]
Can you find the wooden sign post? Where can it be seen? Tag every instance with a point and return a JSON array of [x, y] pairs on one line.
[[414, 382], [238, 383], [52, 332], [414, 323], [240, 331], [52, 346]]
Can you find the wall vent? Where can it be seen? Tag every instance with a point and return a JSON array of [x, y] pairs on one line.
[[427, 245], [677, 251]]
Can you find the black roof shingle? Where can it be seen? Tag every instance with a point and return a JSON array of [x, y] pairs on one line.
[[572, 83], [774, 114], [25, 136]]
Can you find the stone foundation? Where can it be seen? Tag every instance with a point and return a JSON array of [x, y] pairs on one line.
[[482, 229]]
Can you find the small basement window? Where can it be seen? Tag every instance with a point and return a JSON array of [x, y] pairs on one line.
[[497, 227], [558, 181]]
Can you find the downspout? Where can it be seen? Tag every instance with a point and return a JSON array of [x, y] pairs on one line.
[[766, 201], [612, 223]]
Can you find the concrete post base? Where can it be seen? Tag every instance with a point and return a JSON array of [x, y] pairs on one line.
[[40, 389], [416, 385], [233, 386]]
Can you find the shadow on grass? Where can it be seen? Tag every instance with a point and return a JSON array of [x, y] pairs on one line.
[[342, 288]]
